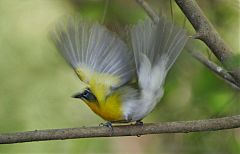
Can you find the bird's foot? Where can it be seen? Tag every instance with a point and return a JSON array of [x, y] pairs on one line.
[[108, 125], [139, 123]]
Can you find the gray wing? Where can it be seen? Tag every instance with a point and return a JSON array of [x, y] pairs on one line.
[[155, 41], [155, 47], [91, 48]]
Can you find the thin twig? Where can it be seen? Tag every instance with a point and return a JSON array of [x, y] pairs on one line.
[[151, 13], [171, 9], [122, 130], [221, 72], [105, 10]]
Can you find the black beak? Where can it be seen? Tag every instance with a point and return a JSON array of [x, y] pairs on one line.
[[78, 95]]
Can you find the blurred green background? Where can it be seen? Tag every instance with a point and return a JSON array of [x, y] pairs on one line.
[[36, 83]]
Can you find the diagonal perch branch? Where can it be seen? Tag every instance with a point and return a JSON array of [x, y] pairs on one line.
[[122, 130]]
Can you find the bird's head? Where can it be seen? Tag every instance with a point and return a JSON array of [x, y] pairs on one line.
[[86, 95]]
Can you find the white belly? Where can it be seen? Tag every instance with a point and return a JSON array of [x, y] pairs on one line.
[[137, 109]]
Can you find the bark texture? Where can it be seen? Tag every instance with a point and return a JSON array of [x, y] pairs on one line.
[[122, 130]]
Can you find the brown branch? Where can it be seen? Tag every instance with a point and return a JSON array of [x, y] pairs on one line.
[[207, 33], [122, 130]]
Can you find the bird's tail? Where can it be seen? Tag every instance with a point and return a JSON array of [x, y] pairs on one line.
[[155, 47]]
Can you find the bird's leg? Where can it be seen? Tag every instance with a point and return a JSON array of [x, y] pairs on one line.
[[107, 124], [139, 123]]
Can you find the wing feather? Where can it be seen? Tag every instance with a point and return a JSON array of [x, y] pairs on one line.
[[94, 52], [157, 41], [155, 47]]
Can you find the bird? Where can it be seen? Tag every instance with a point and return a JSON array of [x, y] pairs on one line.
[[123, 79]]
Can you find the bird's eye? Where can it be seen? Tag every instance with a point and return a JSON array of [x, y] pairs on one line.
[[88, 95]]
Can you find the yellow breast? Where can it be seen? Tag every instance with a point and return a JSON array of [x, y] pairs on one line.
[[100, 84], [110, 110]]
